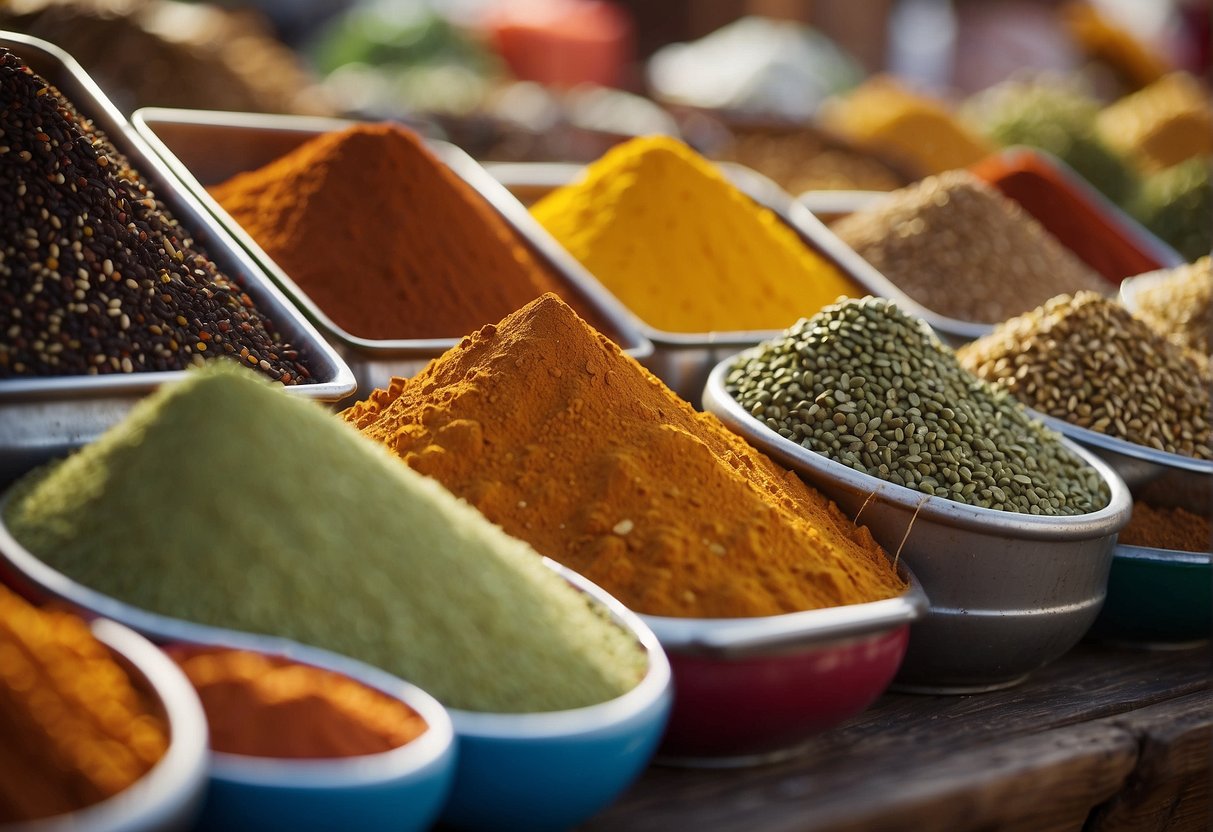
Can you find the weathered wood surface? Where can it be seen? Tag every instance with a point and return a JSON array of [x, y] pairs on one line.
[[1105, 740]]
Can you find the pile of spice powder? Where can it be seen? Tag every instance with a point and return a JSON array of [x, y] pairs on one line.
[[1164, 124], [685, 250], [1179, 305], [805, 159], [867, 385], [268, 706], [330, 542], [384, 237], [1086, 359], [76, 730], [548, 429], [960, 248], [95, 275], [884, 115], [1167, 528]]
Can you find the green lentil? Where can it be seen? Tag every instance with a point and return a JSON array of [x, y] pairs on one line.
[[938, 425], [224, 501]]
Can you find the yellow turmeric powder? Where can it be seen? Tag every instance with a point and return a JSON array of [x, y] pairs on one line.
[[885, 116], [563, 441], [73, 728], [1168, 122], [683, 248]]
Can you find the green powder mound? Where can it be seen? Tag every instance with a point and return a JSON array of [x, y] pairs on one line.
[[224, 501]]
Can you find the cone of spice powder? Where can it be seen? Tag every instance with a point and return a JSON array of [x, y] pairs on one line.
[[555, 435], [385, 238], [325, 539], [95, 274]]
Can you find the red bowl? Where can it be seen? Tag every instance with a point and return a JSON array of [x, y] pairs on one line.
[[752, 690]]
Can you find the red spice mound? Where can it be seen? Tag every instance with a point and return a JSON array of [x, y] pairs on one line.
[[385, 238]]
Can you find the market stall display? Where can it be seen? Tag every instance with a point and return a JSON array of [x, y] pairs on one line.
[[859, 510]]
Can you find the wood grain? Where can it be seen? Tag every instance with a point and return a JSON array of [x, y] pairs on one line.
[[1106, 735]]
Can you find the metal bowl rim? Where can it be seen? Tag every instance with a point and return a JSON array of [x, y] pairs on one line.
[[1104, 521], [1151, 554], [1115, 444]]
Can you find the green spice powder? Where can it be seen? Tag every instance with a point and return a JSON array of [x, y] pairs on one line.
[[867, 385], [223, 501]]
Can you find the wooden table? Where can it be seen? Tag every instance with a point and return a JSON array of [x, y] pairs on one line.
[[1104, 739]]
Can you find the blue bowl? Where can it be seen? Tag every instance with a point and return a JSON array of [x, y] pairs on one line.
[[553, 770], [402, 789]]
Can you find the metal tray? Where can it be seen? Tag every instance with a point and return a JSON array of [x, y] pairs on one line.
[[206, 148], [1157, 598], [683, 360], [1136, 464], [1009, 592], [836, 204], [43, 417]]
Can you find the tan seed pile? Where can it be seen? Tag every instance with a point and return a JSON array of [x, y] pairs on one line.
[[1180, 305], [1088, 360], [960, 248]]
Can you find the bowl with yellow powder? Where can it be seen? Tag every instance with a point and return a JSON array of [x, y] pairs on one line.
[[707, 259], [335, 544], [392, 244], [102, 692], [1009, 526]]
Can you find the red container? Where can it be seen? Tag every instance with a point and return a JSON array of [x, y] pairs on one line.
[[752, 690], [1082, 219]]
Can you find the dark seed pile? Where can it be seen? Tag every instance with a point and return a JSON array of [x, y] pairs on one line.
[[95, 275]]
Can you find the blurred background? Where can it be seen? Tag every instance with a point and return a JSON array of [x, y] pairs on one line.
[[817, 94]]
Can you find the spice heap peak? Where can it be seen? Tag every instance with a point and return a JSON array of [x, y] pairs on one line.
[[685, 250], [329, 541], [95, 275], [386, 239], [553, 433]]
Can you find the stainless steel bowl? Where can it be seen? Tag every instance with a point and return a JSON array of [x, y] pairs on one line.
[[204, 148], [1009, 592], [41, 418], [682, 360]]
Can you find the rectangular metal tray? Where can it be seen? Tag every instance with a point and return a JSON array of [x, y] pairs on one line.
[[683, 360], [44, 417], [205, 148]]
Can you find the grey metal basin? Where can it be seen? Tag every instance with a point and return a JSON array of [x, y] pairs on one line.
[[1008, 592]]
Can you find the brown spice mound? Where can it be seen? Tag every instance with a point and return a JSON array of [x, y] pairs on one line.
[[962, 249], [385, 238], [1167, 528], [552, 433]]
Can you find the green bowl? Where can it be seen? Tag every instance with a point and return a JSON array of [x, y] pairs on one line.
[[1158, 597]]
